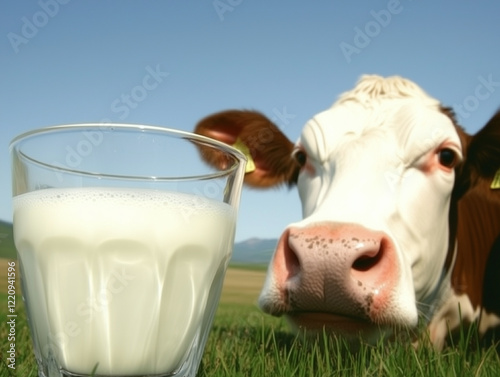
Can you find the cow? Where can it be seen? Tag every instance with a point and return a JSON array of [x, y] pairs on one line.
[[401, 213]]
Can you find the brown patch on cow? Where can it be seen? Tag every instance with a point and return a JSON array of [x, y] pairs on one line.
[[478, 227], [491, 301], [475, 211], [269, 147]]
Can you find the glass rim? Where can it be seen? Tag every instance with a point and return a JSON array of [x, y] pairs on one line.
[[239, 157]]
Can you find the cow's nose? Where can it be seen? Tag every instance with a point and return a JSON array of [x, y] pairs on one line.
[[344, 269]]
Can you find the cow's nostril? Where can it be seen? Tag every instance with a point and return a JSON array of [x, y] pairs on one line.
[[365, 263], [367, 260]]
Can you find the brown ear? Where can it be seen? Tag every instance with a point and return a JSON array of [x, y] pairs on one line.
[[481, 168], [268, 149]]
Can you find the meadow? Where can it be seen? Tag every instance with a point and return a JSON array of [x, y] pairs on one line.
[[245, 342]]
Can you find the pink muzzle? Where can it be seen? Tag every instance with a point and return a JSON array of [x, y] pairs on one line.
[[333, 274]]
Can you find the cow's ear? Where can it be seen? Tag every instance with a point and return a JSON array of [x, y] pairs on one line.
[[268, 150], [482, 160]]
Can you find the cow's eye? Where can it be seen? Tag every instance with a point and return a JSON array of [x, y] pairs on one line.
[[447, 157], [300, 156]]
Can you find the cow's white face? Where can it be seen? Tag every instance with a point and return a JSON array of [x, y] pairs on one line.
[[375, 188], [382, 196]]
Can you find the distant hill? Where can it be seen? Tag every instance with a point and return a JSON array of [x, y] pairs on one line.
[[7, 249], [254, 251]]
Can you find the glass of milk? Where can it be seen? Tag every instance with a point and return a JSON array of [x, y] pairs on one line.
[[123, 235]]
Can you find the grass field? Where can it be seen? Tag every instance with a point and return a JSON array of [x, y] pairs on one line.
[[244, 342]]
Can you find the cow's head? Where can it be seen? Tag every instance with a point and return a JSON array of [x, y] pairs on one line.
[[378, 174]]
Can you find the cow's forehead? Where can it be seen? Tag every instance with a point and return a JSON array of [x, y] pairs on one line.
[[413, 125]]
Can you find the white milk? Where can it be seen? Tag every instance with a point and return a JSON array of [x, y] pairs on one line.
[[120, 277]]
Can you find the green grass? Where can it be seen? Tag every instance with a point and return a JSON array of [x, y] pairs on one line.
[[7, 249], [247, 343], [244, 342]]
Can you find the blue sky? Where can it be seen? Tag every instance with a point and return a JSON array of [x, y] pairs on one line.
[[68, 61]]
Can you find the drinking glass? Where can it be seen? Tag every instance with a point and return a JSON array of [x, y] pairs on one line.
[[123, 235]]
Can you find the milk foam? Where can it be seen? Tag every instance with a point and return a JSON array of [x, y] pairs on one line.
[[120, 277]]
